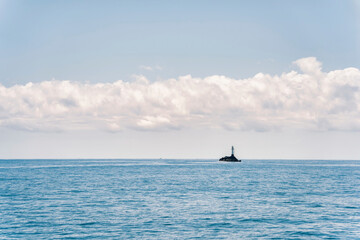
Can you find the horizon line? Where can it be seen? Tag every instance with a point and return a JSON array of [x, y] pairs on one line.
[[246, 159]]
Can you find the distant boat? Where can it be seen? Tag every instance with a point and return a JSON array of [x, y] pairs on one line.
[[231, 158]]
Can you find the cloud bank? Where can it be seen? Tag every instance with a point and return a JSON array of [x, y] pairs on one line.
[[309, 99]]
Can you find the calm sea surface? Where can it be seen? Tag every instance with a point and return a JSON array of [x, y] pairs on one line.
[[179, 199]]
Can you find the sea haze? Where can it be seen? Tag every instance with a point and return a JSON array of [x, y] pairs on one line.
[[172, 199]]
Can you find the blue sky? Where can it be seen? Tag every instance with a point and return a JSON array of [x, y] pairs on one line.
[[148, 43], [101, 41]]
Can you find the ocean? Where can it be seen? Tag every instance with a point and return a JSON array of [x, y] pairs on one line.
[[179, 199]]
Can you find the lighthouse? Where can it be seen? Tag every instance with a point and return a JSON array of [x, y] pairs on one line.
[[231, 158]]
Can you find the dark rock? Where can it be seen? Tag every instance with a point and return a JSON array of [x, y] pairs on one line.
[[231, 158]]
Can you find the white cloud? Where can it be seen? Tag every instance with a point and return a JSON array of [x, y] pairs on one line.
[[310, 99], [150, 68], [309, 65], [147, 68]]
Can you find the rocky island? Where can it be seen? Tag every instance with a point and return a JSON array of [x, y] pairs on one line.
[[231, 158]]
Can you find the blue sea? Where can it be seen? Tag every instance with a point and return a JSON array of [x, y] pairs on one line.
[[179, 199]]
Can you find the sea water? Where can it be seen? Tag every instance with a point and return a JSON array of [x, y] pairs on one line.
[[179, 199]]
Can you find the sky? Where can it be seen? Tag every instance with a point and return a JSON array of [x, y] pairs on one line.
[[180, 79]]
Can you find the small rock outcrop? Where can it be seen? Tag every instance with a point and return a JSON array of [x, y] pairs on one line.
[[231, 158]]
